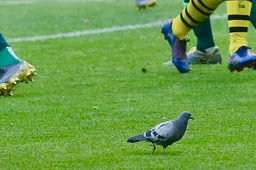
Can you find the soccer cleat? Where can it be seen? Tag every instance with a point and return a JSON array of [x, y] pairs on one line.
[[11, 75], [143, 4], [195, 56], [242, 58], [168, 63], [212, 56], [179, 57]]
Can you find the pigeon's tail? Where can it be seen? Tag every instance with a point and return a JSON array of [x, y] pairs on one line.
[[137, 138]]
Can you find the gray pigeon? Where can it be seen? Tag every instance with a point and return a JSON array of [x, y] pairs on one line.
[[165, 133]]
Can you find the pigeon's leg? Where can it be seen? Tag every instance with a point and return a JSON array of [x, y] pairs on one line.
[[154, 147], [164, 148]]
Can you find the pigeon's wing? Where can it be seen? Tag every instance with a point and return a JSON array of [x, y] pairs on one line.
[[160, 132]]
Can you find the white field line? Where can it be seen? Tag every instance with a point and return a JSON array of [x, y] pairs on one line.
[[97, 31], [16, 2], [61, 1], [19, 2]]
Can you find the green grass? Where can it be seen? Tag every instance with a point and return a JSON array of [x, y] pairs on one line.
[[90, 94]]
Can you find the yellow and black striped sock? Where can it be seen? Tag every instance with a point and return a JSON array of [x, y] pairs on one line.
[[195, 13], [238, 22]]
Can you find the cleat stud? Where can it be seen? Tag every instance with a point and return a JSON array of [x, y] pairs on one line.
[[35, 73], [32, 80], [10, 94], [15, 82], [5, 87]]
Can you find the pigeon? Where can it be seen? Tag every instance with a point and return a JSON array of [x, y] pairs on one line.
[[165, 133]]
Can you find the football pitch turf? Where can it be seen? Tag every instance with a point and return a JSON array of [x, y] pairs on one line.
[[90, 94]]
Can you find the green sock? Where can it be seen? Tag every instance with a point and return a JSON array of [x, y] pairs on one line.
[[253, 14], [185, 3], [7, 56], [203, 33], [3, 42]]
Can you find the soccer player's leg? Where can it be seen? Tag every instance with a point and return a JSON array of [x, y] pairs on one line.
[[205, 52], [238, 20], [253, 14], [143, 4], [176, 30], [12, 69]]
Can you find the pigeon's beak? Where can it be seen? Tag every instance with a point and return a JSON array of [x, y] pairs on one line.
[[191, 117]]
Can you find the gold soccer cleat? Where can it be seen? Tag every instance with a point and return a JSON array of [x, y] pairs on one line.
[[11, 75], [143, 4]]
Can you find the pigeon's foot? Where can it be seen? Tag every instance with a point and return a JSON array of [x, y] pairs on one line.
[[164, 148], [154, 147]]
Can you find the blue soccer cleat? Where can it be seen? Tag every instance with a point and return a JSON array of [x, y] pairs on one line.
[[242, 58], [179, 57]]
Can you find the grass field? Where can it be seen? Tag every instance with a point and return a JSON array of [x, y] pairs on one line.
[[90, 94]]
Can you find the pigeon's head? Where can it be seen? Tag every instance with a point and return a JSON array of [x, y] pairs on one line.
[[186, 115]]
